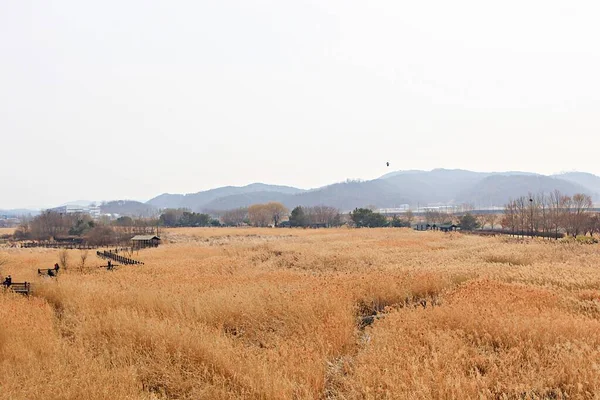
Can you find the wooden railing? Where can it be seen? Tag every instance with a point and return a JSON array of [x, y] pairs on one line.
[[118, 258], [19, 287], [58, 245]]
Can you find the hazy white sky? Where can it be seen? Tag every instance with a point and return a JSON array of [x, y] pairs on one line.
[[130, 99]]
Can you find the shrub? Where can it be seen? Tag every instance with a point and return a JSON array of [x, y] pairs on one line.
[[63, 257], [468, 222], [586, 239], [364, 217]]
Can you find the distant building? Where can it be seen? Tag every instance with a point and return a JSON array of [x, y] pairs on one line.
[[93, 210], [69, 209], [443, 208], [395, 210]]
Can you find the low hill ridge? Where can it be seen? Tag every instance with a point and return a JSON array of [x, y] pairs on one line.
[[412, 187]]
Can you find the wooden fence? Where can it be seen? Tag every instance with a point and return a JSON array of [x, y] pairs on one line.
[[69, 246], [58, 245], [20, 287], [118, 258]]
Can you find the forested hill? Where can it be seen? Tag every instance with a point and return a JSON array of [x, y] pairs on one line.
[[439, 186]]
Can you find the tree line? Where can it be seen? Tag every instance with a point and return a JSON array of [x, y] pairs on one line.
[[260, 215], [184, 218], [551, 215], [315, 216], [52, 225], [543, 213], [276, 214]]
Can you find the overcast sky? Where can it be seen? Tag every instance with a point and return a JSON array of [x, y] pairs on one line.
[[130, 99]]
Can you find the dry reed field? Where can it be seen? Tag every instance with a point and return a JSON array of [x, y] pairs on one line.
[[308, 314], [7, 231]]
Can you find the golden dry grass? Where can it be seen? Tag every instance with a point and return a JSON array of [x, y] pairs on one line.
[[276, 314], [7, 231]]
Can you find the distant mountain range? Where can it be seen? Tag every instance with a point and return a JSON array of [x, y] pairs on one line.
[[413, 187], [17, 212], [439, 186], [196, 201], [128, 208]]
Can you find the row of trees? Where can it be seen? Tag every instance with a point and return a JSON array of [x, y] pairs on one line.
[[551, 214], [465, 219], [439, 217], [134, 226], [367, 218], [185, 218], [311, 216], [52, 225]]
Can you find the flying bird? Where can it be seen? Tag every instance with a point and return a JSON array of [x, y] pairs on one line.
[[387, 163]]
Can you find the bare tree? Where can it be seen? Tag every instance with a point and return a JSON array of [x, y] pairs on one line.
[[593, 224], [509, 219], [259, 215], [556, 203], [277, 211], [543, 204], [532, 214], [482, 219], [83, 256], [322, 215], [491, 219], [50, 224], [521, 208], [409, 216], [436, 217], [581, 204], [566, 218], [235, 217], [63, 259]]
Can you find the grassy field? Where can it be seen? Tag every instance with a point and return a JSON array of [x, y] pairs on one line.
[[7, 231], [283, 314]]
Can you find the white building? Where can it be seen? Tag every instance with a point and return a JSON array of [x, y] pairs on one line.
[[400, 209], [70, 209], [95, 211], [92, 210]]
